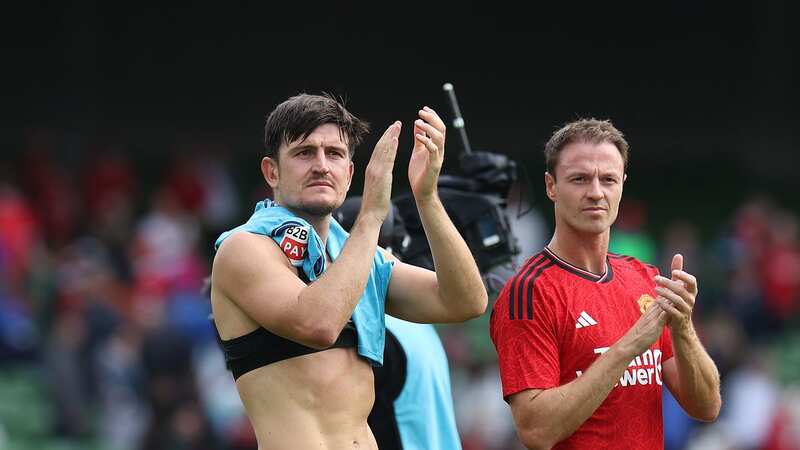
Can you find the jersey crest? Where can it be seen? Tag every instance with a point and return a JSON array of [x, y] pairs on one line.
[[645, 301]]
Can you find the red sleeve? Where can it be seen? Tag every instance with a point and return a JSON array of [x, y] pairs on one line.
[[527, 349]]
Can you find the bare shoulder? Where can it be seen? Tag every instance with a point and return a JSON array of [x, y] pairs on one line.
[[243, 265], [243, 252], [243, 241], [236, 260], [252, 283]]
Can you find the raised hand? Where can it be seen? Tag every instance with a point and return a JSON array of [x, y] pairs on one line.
[[427, 154], [677, 296], [378, 175], [645, 331]]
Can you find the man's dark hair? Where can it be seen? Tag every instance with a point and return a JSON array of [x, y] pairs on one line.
[[583, 130], [300, 115]]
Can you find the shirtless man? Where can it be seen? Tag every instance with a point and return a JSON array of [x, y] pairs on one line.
[[303, 373]]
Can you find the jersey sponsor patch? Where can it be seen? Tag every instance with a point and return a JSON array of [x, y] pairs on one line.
[[643, 370], [294, 244]]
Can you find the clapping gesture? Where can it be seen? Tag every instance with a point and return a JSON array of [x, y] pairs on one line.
[[427, 154]]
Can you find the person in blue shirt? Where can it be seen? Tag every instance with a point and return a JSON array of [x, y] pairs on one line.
[[413, 407]]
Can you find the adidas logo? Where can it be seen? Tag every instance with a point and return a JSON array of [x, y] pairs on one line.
[[585, 320]]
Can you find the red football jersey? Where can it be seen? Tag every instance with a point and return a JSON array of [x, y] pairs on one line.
[[552, 320]]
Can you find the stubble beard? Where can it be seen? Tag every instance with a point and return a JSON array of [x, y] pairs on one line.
[[317, 210], [312, 208]]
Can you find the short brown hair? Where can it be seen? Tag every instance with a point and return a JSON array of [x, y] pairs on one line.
[[583, 130], [300, 115]]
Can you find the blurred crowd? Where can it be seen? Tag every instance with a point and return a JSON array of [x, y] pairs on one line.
[[102, 269]]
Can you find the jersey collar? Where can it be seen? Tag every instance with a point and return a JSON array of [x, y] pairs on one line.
[[604, 277]]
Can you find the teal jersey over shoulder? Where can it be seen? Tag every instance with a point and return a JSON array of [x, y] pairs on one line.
[[304, 249]]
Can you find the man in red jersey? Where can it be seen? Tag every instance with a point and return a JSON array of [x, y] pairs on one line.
[[586, 338]]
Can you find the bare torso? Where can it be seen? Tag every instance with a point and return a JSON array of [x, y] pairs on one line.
[[315, 401]]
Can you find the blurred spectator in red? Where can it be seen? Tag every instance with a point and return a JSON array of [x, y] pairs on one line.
[[751, 228], [784, 431], [201, 183], [108, 179], [763, 260], [19, 233], [50, 186], [109, 191], [165, 247], [780, 267], [19, 242], [185, 183]]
